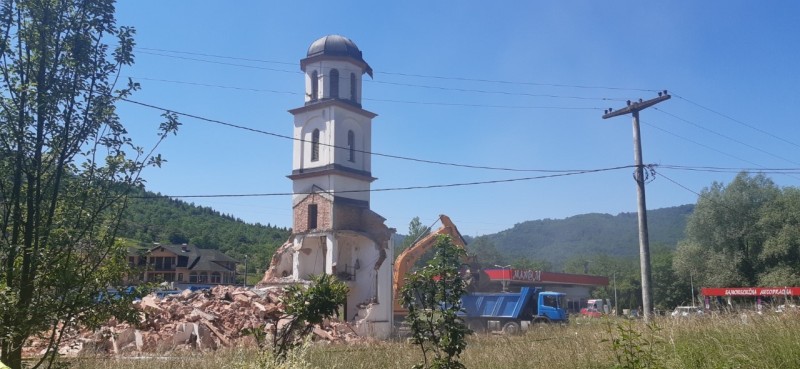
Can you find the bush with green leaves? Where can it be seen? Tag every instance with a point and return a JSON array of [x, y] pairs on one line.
[[432, 296], [634, 349], [303, 307]]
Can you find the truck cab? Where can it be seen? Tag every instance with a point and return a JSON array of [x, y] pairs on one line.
[[552, 305]]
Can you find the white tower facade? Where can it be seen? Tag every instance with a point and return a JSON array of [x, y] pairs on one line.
[[333, 133], [334, 230]]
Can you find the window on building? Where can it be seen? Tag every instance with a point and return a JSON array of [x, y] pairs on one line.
[[334, 83], [315, 145], [353, 86], [314, 85], [193, 277], [216, 277], [351, 145], [312, 216], [202, 277], [180, 277]]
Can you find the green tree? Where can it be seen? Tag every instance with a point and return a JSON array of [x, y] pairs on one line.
[[727, 234], [66, 166], [415, 232], [780, 220], [303, 308], [485, 252], [535, 264], [622, 272], [668, 290], [432, 296]]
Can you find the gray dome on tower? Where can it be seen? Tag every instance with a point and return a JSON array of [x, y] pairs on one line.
[[336, 46]]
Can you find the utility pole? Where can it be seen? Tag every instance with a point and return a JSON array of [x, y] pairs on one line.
[[616, 306], [644, 242]]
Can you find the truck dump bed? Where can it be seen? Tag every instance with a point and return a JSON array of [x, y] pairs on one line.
[[496, 305]]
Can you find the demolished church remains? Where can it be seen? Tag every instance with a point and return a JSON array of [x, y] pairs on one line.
[[334, 230]]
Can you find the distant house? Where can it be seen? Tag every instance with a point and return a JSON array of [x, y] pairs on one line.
[[183, 264]]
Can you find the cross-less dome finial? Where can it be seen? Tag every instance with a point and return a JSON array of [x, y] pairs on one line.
[[337, 46]]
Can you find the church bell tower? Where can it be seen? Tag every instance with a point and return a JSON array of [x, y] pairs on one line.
[[332, 131]]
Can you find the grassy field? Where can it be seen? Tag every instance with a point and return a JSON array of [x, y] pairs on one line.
[[769, 341]]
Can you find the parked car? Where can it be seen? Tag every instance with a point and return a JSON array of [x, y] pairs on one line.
[[686, 311]]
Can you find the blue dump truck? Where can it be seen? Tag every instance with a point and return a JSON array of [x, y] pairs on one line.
[[513, 312]]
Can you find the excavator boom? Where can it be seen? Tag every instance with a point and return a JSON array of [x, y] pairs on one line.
[[406, 260]]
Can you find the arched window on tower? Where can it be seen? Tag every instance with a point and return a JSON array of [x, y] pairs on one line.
[[334, 83], [353, 87], [314, 85], [351, 145], [315, 145]]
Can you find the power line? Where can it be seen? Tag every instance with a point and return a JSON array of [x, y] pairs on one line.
[[216, 56], [507, 82], [461, 184], [371, 99], [699, 144], [223, 63], [737, 121], [215, 86], [731, 169], [466, 79], [789, 174], [678, 184], [486, 106], [395, 83], [726, 137], [498, 92], [216, 121]]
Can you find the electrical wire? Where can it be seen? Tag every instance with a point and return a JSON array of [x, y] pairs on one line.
[[448, 185], [725, 136], [730, 169], [466, 79], [736, 120], [678, 184], [149, 51], [216, 121], [700, 144], [497, 92], [390, 83], [713, 149], [369, 99]]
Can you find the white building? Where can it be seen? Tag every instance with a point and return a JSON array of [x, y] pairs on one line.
[[335, 231]]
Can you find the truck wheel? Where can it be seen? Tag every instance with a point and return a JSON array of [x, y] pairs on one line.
[[476, 326], [511, 328]]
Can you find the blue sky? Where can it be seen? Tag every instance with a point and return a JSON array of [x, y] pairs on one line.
[[516, 84]]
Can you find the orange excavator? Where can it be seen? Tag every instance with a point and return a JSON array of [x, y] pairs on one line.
[[406, 260]]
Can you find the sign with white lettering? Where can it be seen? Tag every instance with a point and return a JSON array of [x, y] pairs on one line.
[[752, 291], [526, 275]]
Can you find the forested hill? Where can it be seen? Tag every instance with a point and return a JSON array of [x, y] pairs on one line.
[[165, 220], [557, 240]]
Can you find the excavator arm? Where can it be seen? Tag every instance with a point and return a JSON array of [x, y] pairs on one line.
[[406, 260]]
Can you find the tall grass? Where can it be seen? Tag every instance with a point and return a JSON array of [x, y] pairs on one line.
[[769, 341]]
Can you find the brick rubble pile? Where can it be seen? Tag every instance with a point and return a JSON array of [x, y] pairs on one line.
[[197, 320]]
